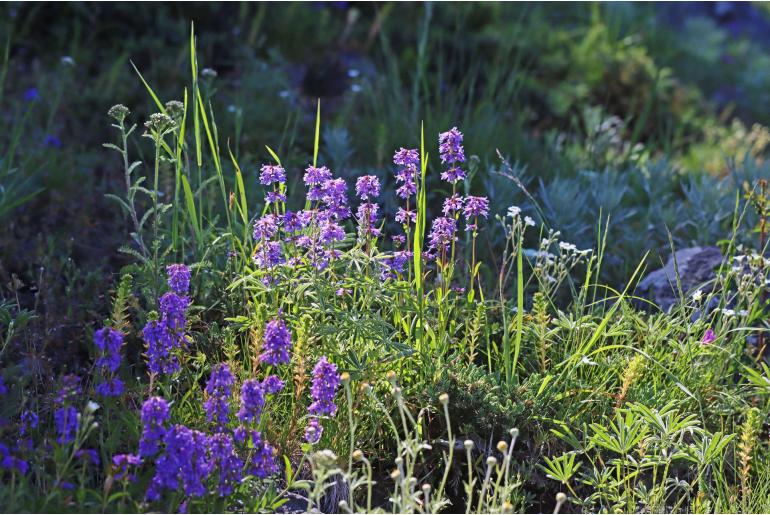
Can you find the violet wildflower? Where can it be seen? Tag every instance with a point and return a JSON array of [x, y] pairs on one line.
[[277, 343], [266, 227], [173, 308], [252, 401], [476, 207], [270, 174], [330, 232], [160, 342], [709, 337], [335, 197], [155, 413], [292, 223], [452, 205], [66, 417], [451, 146], [407, 160], [313, 431], [219, 390], [29, 421], [178, 278], [10, 462], [109, 342], [31, 95], [184, 463], [452, 152], [325, 382], [406, 157], [225, 459], [406, 217], [367, 220], [274, 197], [67, 421], [314, 178], [121, 464], [263, 462], [269, 254], [395, 264], [367, 186], [3, 387], [442, 234], [273, 384]]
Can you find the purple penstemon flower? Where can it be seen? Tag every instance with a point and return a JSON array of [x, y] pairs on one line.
[[325, 383], [219, 390], [224, 458], [184, 463], [121, 464], [168, 333], [313, 431], [178, 278], [272, 174], [66, 417], [451, 152], [252, 401], [709, 337], [155, 414], [442, 234], [367, 186], [109, 342], [452, 205], [476, 207], [276, 343]]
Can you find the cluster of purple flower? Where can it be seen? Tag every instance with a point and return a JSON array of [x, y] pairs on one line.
[[168, 333], [219, 390], [324, 387], [451, 151], [277, 343], [109, 342], [186, 458], [368, 188], [66, 417]]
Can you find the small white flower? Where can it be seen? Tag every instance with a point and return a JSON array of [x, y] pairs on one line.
[[697, 296], [514, 211], [528, 221], [353, 73], [728, 312], [91, 407], [356, 88], [67, 60], [743, 313]]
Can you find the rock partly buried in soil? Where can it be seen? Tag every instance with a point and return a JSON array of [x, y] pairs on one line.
[[696, 267]]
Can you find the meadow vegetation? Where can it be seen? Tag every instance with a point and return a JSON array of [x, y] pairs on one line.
[[381, 270]]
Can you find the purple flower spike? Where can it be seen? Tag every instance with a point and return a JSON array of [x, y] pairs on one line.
[[326, 380], [475, 207], [109, 342], [313, 431], [277, 343], [442, 233], [179, 278], [367, 187], [252, 401], [451, 146], [219, 390], [155, 413], [270, 174]]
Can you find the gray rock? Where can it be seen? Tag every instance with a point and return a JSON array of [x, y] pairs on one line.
[[696, 267]]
